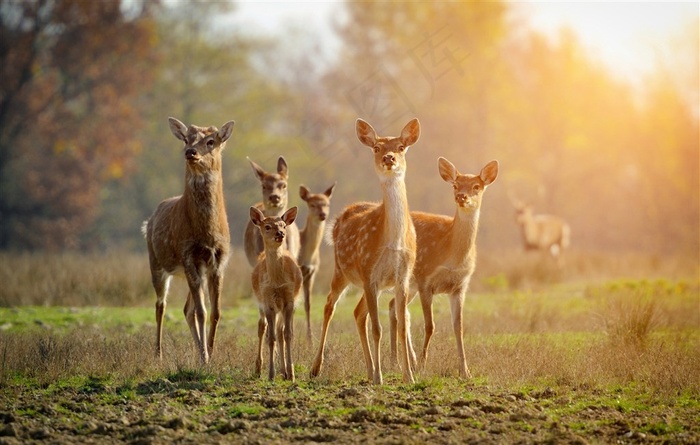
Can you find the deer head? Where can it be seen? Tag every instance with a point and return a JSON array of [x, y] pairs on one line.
[[468, 189], [319, 204], [203, 146], [389, 152], [274, 185], [273, 228]]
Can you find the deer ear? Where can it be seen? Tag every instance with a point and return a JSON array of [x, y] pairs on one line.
[[447, 170], [256, 216], [411, 132], [489, 172], [329, 191], [259, 172], [225, 131], [289, 216], [365, 133], [282, 167], [178, 129], [304, 192]]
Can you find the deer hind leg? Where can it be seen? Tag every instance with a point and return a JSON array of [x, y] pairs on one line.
[[393, 328], [426, 301], [456, 303], [215, 281], [281, 353], [361, 313], [262, 328], [339, 285], [161, 284]]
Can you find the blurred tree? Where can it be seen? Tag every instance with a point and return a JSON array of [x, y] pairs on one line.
[[70, 70]]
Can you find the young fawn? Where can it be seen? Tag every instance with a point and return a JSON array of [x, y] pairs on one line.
[[276, 282], [545, 233], [274, 203], [375, 248], [310, 236], [189, 234], [446, 255]]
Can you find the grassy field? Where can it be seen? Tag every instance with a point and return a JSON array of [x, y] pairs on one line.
[[605, 350]]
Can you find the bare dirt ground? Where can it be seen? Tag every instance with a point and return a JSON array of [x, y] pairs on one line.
[[194, 407]]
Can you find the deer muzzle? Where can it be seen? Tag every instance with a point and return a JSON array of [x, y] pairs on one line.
[[279, 236]]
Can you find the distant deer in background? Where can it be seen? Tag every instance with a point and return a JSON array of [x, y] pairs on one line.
[[542, 232], [446, 255], [189, 234], [274, 203], [276, 282], [375, 248], [311, 236]]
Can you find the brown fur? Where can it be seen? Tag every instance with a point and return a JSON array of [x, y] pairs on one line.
[[274, 203], [276, 281], [375, 248], [446, 256], [546, 233], [189, 234], [311, 235]]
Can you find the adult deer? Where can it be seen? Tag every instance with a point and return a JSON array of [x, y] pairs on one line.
[[310, 236], [446, 254], [546, 233], [276, 282], [189, 234], [274, 203], [375, 248]]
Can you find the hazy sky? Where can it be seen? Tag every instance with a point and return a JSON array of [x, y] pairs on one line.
[[624, 35]]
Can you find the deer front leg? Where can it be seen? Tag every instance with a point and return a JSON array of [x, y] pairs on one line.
[[426, 301], [393, 328], [215, 281], [456, 303], [160, 284], [371, 296], [281, 352], [271, 331], [361, 314], [401, 311], [196, 316], [309, 274], [288, 336]]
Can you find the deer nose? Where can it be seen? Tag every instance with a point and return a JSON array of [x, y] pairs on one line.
[[322, 216], [388, 158], [190, 153], [275, 199], [461, 198], [279, 236]]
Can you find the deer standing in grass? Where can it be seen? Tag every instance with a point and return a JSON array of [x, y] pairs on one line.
[[189, 234], [274, 203], [446, 255], [276, 282], [375, 248], [310, 236], [545, 233]]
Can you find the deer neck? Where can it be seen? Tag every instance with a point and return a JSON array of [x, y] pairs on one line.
[[274, 264], [463, 232], [312, 236], [397, 221], [203, 196], [274, 211]]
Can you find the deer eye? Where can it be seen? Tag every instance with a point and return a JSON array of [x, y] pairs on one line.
[[476, 187], [268, 227], [454, 186], [282, 186], [210, 143], [401, 148], [375, 149]]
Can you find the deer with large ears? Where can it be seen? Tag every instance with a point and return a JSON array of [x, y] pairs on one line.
[[546, 233], [311, 236], [446, 255], [276, 282], [375, 249], [274, 203], [189, 234]]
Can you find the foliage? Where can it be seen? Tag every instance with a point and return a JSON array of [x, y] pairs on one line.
[[70, 73]]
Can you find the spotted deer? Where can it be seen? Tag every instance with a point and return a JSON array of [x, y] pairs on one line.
[[546, 233], [446, 255], [274, 203], [375, 249], [276, 281], [311, 235], [189, 234]]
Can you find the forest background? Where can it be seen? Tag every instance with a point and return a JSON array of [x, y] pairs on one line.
[[86, 89]]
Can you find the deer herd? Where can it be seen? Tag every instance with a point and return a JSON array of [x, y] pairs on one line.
[[377, 246]]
